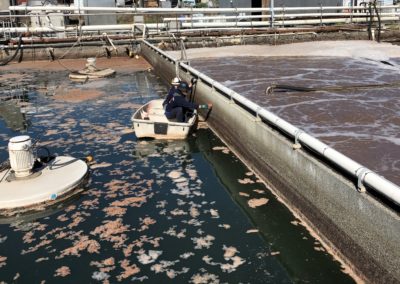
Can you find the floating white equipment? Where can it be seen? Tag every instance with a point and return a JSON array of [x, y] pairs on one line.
[[31, 184], [91, 71]]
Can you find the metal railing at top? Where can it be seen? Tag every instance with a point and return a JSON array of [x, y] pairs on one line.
[[204, 18], [363, 175]]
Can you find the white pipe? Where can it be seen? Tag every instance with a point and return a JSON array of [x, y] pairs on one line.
[[278, 23], [185, 10], [186, 26], [74, 29], [369, 178], [277, 16]]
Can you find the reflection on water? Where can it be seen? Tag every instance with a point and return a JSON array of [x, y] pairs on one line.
[[13, 116], [363, 124], [13, 100], [155, 211]]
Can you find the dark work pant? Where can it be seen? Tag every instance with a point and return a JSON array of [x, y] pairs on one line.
[[176, 112]]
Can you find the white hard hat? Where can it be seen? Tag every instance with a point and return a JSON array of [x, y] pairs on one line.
[[176, 81]]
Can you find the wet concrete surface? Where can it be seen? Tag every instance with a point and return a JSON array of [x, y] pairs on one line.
[[154, 211], [363, 124]]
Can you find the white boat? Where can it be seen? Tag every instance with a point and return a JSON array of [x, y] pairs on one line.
[[150, 121]]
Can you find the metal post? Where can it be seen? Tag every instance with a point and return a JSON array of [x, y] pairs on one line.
[[320, 22], [352, 11], [272, 19]]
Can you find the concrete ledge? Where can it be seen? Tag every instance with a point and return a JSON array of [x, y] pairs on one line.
[[362, 230]]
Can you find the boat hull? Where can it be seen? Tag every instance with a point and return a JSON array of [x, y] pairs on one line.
[[149, 121]]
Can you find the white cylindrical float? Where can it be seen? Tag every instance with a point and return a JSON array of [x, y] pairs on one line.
[[21, 155]]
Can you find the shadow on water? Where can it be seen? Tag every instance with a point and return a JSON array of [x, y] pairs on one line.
[[303, 257]]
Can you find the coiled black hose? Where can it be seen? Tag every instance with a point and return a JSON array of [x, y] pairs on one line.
[[5, 165]]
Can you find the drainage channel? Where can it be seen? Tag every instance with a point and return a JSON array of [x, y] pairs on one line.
[[154, 211]]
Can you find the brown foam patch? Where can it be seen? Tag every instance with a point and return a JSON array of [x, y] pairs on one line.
[[77, 95]]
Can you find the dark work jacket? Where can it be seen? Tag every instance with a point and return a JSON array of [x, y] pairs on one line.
[[175, 98]]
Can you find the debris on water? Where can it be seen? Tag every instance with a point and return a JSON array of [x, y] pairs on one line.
[[63, 271], [245, 181], [100, 276], [229, 252], [253, 203], [3, 239], [172, 232], [225, 226], [129, 270], [224, 149], [214, 213], [16, 276], [203, 242], [174, 174], [205, 278], [296, 223], [76, 95], [150, 257], [3, 261], [186, 255], [252, 231]]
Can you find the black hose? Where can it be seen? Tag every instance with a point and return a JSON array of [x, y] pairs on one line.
[[8, 60], [5, 165], [48, 157], [285, 88], [21, 55], [294, 88]]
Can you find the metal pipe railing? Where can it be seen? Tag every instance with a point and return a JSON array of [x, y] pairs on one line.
[[351, 167], [187, 10], [89, 28], [272, 16], [287, 16]]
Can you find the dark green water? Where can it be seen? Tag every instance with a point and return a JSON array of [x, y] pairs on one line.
[[154, 211]]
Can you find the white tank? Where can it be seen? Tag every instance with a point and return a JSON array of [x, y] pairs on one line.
[[21, 155]]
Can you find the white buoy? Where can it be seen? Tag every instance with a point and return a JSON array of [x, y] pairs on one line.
[[30, 184]]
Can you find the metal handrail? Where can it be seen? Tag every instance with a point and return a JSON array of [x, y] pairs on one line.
[[356, 170], [189, 10]]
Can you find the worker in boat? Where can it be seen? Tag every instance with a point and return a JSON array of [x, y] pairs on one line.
[[174, 87], [175, 104]]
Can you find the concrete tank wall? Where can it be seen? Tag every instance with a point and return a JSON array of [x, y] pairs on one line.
[[361, 230]]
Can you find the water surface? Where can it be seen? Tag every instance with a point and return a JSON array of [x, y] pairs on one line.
[[363, 124], [154, 211]]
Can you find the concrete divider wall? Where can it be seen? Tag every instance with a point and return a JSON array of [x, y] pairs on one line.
[[361, 230]]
